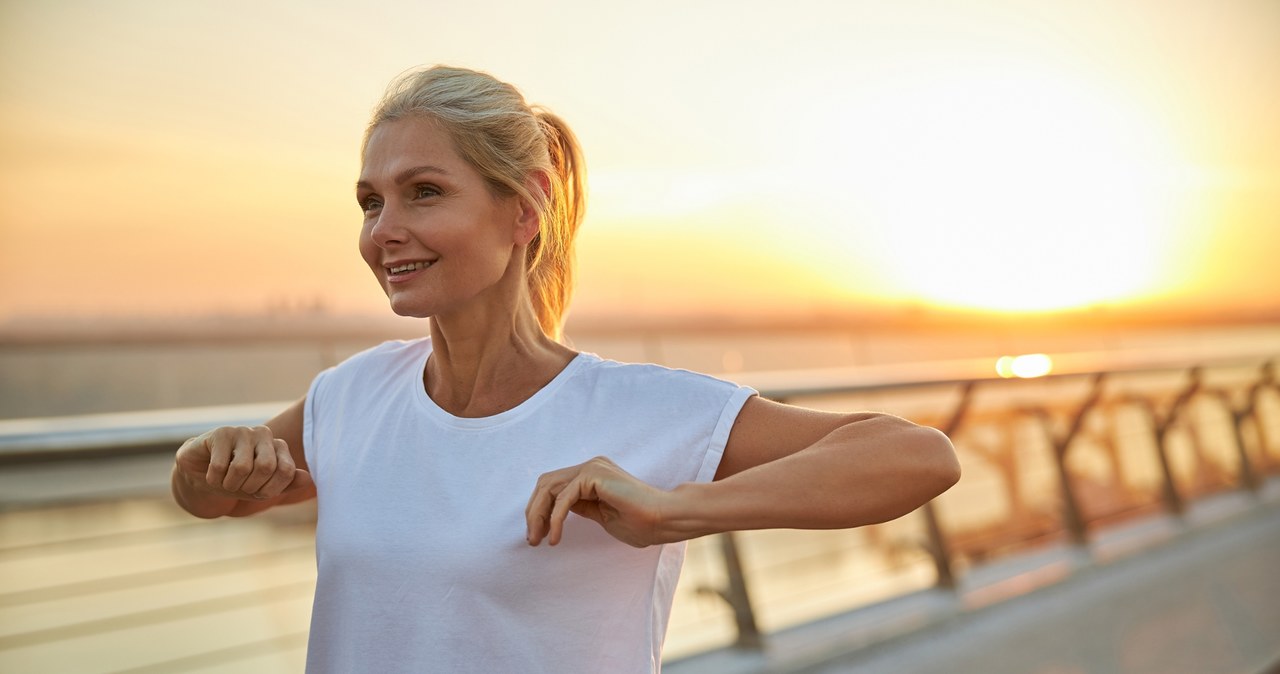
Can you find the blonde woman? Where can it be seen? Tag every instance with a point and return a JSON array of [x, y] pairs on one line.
[[491, 500]]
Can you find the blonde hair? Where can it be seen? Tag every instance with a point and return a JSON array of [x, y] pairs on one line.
[[506, 141]]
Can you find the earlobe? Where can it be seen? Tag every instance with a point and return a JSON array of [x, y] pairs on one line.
[[528, 224]]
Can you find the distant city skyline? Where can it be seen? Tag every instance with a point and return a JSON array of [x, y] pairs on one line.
[[744, 159]]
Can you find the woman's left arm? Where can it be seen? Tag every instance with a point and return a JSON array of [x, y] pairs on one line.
[[783, 467], [796, 468]]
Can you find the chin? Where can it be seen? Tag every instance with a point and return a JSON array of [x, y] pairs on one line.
[[409, 313], [410, 309]]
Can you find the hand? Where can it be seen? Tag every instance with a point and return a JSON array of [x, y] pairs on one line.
[[628, 509], [241, 463]]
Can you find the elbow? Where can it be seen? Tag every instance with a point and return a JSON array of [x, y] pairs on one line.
[[926, 466], [918, 464], [940, 466]]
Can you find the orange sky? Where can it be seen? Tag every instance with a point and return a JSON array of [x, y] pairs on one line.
[[185, 157]]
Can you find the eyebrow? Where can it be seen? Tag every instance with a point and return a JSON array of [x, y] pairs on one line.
[[406, 175]]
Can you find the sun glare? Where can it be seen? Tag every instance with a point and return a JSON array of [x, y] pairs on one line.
[[1005, 190], [1026, 366]]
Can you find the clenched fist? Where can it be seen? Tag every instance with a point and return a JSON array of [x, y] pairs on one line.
[[241, 463]]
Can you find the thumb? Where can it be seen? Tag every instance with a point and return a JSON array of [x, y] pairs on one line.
[[301, 480]]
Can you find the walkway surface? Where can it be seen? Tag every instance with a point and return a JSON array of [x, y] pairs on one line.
[[1205, 600]]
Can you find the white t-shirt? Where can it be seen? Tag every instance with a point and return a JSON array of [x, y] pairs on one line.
[[420, 542]]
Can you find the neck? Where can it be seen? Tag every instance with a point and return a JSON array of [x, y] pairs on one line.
[[491, 359]]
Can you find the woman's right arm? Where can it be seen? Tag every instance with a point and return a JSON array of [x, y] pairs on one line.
[[238, 471]]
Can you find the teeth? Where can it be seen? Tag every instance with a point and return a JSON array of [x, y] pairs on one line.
[[411, 266]]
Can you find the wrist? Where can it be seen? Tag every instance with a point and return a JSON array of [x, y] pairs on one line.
[[197, 497], [690, 512]]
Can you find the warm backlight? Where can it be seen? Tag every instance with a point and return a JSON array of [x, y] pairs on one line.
[[1026, 366], [1013, 190]]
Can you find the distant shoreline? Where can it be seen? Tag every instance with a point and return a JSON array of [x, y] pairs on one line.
[[292, 325]]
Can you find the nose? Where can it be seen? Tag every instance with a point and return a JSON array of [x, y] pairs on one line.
[[387, 229]]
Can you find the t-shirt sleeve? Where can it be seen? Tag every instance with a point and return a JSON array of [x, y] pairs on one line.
[[309, 420], [720, 434]]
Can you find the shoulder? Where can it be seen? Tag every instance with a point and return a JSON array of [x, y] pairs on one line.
[[394, 354], [375, 364], [650, 386], [650, 377], [389, 352]]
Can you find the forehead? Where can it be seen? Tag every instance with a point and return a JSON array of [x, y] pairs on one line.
[[404, 143]]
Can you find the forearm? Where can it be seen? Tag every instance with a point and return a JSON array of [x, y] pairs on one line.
[[869, 471]]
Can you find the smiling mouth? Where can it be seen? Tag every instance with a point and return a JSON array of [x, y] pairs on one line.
[[408, 267]]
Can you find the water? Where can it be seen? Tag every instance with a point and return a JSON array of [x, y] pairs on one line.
[[82, 377]]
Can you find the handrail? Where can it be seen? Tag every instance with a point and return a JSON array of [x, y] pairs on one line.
[[106, 434], [100, 434]]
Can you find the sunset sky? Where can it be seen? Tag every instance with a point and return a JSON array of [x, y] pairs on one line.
[[750, 157]]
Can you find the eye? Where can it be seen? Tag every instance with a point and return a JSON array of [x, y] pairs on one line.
[[425, 191], [369, 204]]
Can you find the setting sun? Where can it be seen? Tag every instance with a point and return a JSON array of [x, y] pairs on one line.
[[1017, 188]]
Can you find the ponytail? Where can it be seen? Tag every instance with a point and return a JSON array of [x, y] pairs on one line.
[[551, 257]]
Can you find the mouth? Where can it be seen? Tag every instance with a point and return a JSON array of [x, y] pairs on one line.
[[408, 268]]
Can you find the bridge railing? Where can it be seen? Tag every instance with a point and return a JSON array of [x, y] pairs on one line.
[[1054, 459], [1051, 461]]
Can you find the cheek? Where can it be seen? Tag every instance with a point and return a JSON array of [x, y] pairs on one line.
[[369, 250]]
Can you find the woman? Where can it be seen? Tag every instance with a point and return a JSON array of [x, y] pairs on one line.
[[442, 464]]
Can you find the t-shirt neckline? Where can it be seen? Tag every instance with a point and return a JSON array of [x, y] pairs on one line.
[[526, 407]]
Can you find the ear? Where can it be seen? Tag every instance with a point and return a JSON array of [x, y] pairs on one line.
[[528, 224]]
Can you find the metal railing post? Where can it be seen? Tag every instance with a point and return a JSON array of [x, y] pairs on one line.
[[1266, 380], [1248, 477], [1073, 518], [1172, 497], [937, 540], [736, 595]]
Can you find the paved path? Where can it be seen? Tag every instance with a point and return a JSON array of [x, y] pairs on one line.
[[1207, 603]]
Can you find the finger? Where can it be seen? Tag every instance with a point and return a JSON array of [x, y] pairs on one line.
[[192, 459], [537, 513], [301, 480], [533, 496], [538, 509], [241, 462], [264, 465], [220, 446], [571, 494], [283, 475], [553, 481]]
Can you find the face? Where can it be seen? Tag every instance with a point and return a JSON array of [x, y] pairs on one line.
[[435, 236]]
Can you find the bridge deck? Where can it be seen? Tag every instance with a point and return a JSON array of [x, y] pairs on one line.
[[1163, 596]]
